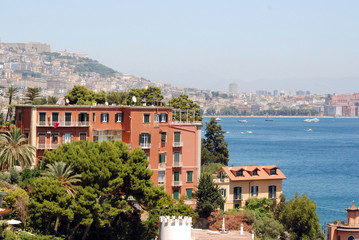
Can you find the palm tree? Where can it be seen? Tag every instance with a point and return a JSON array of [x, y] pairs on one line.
[[10, 91], [63, 173], [14, 150], [32, 93]]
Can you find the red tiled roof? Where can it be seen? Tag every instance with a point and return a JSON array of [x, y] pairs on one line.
[[262, 171]]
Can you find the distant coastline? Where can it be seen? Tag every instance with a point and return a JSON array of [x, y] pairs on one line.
[[226, 116]]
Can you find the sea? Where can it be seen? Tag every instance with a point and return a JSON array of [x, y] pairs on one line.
[[320, 159]]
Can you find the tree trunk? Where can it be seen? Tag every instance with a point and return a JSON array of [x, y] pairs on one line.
[[57, 223], [86, 232], [74, 231]]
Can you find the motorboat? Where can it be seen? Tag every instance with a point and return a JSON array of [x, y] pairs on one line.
[[249, 132], [218, 119], [309, 130], [311, 120], [243, 121]]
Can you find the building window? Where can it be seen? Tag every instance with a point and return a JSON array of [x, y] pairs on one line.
[[42, 141], [67, 138], [255, 172], [163, 137], [107, 135], [272, 191], [273, 171], [239, 173], [223, 192], [42, 118], [146, 117], [84, 119], [19, 116], [161, 177], [254, 191], [83, 136], [54, 140], [119, 117], [176, 159], [163, 117], [94, 117], [351, 238], [145, 140], [176, 194], [237, 193], [104, 117], [162, 158], [237, 205], [189, 193], [156, 118], [68, 119], [338, 238], [189, 176], [177, 137], [55, 117], [176, 178]]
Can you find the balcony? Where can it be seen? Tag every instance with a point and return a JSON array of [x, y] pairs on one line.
[[177, 183], [41, 146], [145, 145], [54, 145], [64, 124], [177, 144], [162, 165], [177, 164]]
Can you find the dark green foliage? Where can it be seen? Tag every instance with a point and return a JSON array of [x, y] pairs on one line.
[[94, 66], [214, 144], [149, 96], [185, 103], [211, 111], [51, 100], [287, 112], [300, 219], [269, 228], [80, 95], [29, 175], [262, 207], [211, 168], [113, 180], [39, 101], [100, 97], [208, 196], [119, 98], [14, 176], [228, 111]]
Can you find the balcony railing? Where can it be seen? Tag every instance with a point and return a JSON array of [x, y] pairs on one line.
[[41, 146], [54, 145], [177, 144], [65, 124], [176, 183], [177, 164], [145, 145], [161, 182], [162, 165]]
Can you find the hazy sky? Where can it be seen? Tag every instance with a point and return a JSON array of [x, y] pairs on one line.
[[306, 44]]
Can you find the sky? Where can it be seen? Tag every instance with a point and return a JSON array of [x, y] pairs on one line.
[[205, 44]]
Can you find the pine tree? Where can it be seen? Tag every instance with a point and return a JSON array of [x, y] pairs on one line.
[[208, 196], [215, 143]]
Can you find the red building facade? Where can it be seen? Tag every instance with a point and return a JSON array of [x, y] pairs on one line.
[[173, 147]]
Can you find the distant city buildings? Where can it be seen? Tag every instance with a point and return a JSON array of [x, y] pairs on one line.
[[233, 88]]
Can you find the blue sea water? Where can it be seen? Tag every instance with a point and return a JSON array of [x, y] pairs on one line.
[[323, 163]]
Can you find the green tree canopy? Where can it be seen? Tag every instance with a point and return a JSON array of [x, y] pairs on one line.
[[183, 102], [300, 219], [100, 97], [208, 196], [119, 98], [116, 185], [214, 144], [80, 95], [149, 96]]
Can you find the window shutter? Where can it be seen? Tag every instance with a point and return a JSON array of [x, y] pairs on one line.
[[141, 139], [149, 138], [224, 192]]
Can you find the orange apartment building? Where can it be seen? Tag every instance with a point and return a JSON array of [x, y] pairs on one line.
[[237, 184], [346, 231], [173, 147]]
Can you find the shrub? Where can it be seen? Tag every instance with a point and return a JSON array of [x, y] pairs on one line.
[[232, 221]]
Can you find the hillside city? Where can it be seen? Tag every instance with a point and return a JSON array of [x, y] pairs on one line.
[[32, 64]]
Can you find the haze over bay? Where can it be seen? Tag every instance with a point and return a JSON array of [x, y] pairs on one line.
[[259, 45]]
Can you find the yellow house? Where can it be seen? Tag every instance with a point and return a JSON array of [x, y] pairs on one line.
[[237, 184]]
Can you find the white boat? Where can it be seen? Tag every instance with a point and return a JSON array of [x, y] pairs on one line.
[[309, 130], [249, 132], [243, 121], [218, 119], [311, 120]]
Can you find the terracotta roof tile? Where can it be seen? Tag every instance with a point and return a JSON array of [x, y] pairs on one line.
[[262, 171]]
